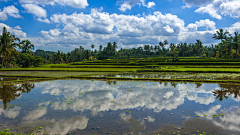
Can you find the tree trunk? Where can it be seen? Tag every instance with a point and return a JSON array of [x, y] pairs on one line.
[[236, 50], [3, 59], [221, 48]]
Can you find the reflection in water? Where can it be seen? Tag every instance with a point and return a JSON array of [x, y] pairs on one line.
[[123, 107], [227, 91], [10, 92]]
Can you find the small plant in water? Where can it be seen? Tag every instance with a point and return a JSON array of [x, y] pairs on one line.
[[112, 101], [128, 111]]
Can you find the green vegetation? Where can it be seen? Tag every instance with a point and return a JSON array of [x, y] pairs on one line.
[[177, 61]]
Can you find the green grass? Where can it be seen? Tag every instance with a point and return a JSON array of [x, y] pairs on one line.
[[73, 69]]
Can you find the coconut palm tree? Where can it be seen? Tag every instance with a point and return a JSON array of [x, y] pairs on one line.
[[92, 47], [8, 45], [27, 46], [59, 56], [100, 48], [236, 42], [220, 35]]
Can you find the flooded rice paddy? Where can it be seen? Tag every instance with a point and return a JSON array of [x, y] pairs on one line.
[[120, 107]]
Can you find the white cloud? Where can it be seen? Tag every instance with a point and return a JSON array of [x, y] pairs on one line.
[[168, 29], [9, 11], [151, 4], [102, 27], [202, 23], [72, 3], [128, 4], [45, 20], [17, 27], [35, 9], [198, 3], [219, 8], [209, 9], [127, 30], [18, 33]]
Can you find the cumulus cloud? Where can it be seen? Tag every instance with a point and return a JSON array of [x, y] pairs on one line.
[[219, 8], [9, 11], [16, 31], [72, 3], [151, 4], [17, 27], [190, 3], [202, 23], [102, 27], [209, 9], [37, 11], [127, 30], [168, 29], [128, 4]]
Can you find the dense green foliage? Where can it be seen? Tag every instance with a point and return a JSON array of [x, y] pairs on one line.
[[16, 53]]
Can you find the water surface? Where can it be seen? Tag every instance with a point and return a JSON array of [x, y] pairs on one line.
[[122, 107]]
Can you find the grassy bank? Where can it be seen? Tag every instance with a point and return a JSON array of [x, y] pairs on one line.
[[94, 70]]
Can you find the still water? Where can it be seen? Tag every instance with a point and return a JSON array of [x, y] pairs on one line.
[[122, 107]]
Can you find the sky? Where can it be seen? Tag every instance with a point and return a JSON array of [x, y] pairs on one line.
[[63, 25]]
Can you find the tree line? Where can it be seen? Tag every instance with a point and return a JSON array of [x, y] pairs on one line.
[[10, 45]]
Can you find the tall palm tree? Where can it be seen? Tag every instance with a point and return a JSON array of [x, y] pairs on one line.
[[81, 48], [27, 46], [199, 46], [100, 48], [92, 47], [114, 46], [220, 35], [236, 42], [8, 45], [161, 45], [59, 56], [165, 42]]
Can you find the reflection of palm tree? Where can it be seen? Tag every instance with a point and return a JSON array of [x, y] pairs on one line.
[[10, 92], [226, 91], [220, 94]]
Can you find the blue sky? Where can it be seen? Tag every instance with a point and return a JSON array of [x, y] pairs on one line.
[[67, 24]]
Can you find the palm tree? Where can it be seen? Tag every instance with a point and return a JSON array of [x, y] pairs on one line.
[[161, 45], [8, 45], [92, 47], [199, 46], [220, 35], [81, 48], [114, 46], [100, 48], [59, 56], [165, 42], [236, 42], [27, 46]]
